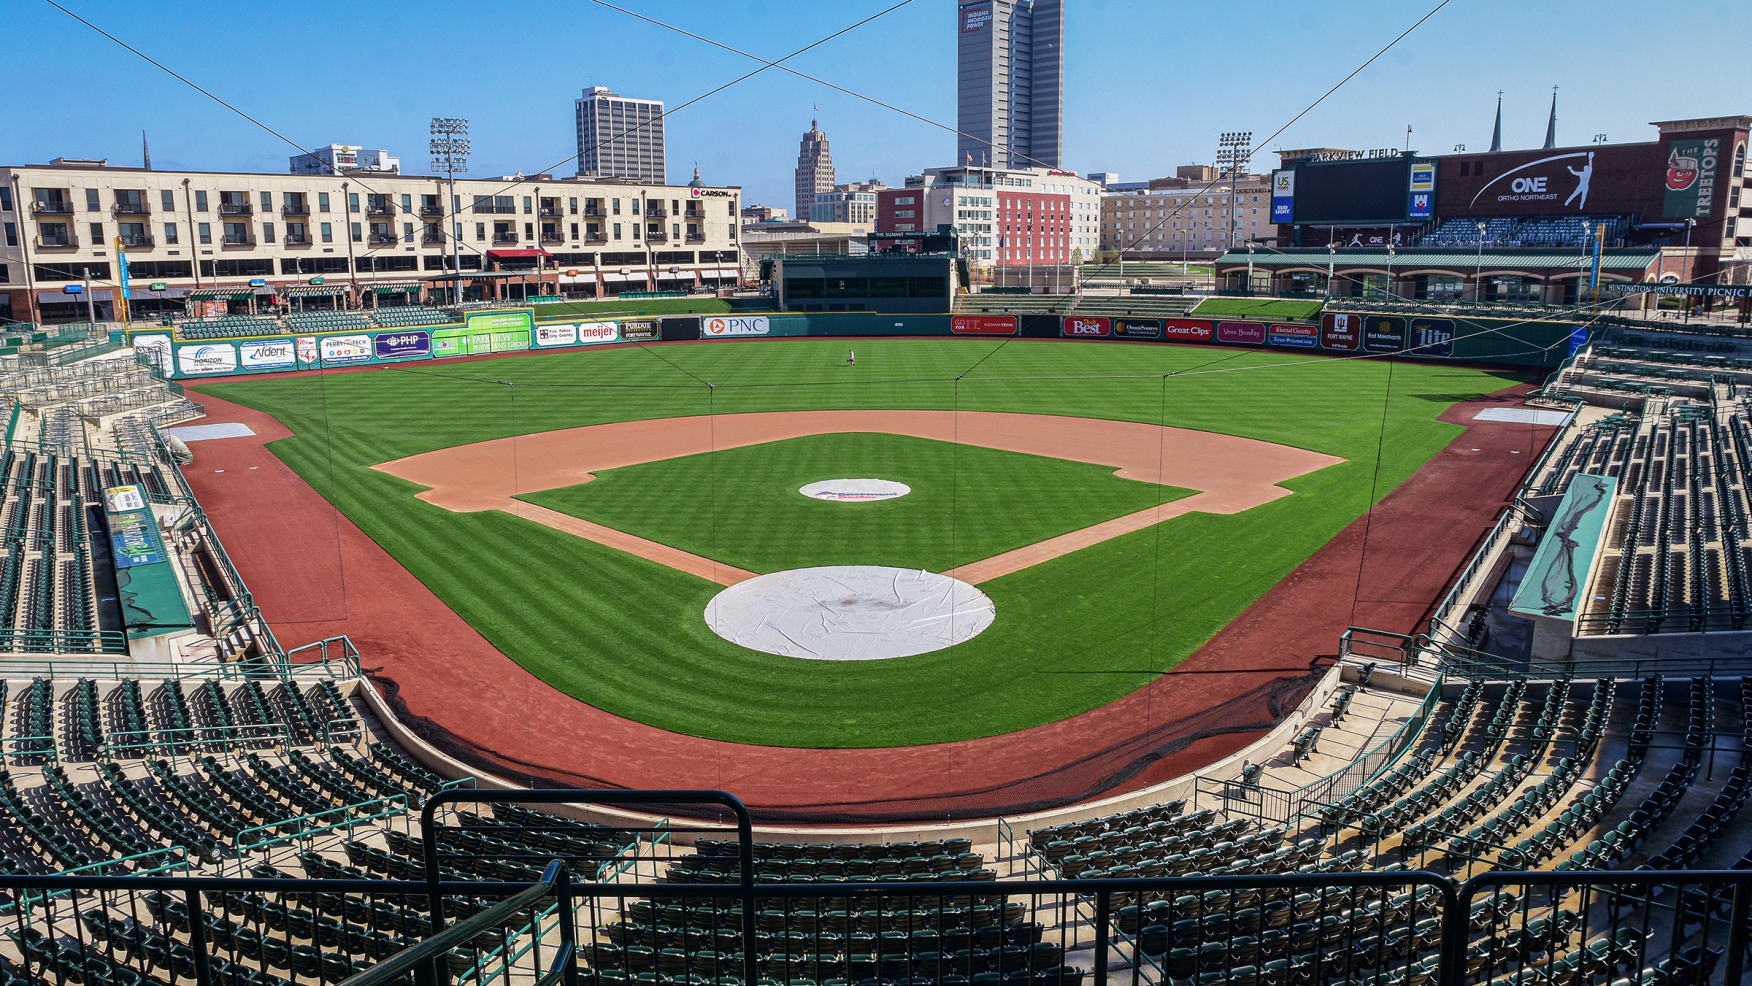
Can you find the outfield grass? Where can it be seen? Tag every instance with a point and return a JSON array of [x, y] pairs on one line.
[[1075, 633], [1257, 308], [967, 502]]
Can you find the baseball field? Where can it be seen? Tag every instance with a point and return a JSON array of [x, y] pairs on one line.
[[1106, 497]]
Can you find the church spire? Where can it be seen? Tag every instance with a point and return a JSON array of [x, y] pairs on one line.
[[1551, 124], [1496, 134]]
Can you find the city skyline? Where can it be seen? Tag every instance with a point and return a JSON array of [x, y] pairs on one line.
[[744, 135]]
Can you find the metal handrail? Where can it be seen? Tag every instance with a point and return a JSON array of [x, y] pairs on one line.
[[245, 846], [170, 739], [460, 933]]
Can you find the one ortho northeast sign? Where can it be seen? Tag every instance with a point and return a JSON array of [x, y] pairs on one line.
[[983, 325]]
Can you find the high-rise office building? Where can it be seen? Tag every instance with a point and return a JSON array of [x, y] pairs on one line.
[[1010, 78], [814, 170], [620, 137]]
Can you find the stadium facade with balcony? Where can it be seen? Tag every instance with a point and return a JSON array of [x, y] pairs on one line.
[[1520, 225]]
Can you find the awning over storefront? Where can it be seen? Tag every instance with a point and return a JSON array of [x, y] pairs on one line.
[[395, 287], [222, 294], [518, 254], [613, 276]]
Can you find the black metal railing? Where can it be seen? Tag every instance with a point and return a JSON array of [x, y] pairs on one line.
[[745, 912]]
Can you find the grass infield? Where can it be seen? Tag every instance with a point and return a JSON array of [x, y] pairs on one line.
[[989, 500], [1072, 634]]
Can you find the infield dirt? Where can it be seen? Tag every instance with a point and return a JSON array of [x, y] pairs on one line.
[[316, 575]]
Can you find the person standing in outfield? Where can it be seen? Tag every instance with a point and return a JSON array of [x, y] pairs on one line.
[[851, 357]]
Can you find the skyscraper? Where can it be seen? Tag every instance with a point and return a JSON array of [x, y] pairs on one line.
[[620, 137], [1011, 83], [814, 170]]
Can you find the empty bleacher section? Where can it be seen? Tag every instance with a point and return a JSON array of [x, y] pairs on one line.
[[411, 315], [1146, 306], [329, 321], [1675, 555], [1502, 231], [228, 327]]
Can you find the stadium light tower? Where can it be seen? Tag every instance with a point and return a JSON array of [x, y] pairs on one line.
[[449, 155], [1234, 149]]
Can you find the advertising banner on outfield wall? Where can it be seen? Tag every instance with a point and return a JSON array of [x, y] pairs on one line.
[[1086, 327], [983, 325], [1341, 332], [407, 344], [1383, 333], [206, 358], [269, 354], [155, 350], [1241, 333], [1432, 337], [307, 350], [1294, 336], [638, 330], [467, 342], [1137, 328], [1188, 330], [725, 326], [346, 349]]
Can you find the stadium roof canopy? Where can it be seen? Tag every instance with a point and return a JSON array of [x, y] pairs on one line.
[[1620, 261]]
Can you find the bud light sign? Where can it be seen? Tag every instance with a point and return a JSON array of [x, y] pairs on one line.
[[403, 345]]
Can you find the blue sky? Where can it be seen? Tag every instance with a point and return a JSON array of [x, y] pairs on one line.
[[1149, 84]]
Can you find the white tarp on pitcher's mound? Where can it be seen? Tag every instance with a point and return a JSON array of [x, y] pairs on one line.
[[850, 613], [855, 490]]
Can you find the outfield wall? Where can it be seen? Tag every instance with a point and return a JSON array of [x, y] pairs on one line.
[[1336, 333]]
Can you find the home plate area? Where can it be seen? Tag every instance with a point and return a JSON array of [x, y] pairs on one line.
[[850, 613]]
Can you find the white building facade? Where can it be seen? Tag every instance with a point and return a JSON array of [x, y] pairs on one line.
[[256, 235]]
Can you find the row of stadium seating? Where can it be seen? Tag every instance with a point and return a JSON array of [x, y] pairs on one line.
[[1555, 231], [1676, 556], [343, 320], [1145, 306]]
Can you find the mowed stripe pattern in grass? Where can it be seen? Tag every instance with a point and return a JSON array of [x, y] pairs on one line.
[[742, 506], [1075, 633]]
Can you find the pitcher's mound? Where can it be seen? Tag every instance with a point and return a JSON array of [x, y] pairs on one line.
[[855, 490], [850, 613]]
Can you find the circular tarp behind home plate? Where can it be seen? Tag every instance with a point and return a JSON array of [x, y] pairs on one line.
[[849, 613], [855, 490]]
